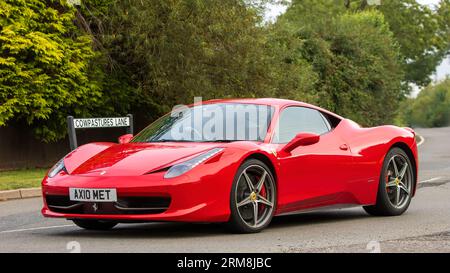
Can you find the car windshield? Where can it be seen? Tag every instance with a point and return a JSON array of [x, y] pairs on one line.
[[222, 122]]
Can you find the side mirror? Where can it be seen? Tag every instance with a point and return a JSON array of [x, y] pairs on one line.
[[125, 138], [302, 139]]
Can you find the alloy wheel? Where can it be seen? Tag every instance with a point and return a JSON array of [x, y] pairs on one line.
[[399, 181], [255, 196]]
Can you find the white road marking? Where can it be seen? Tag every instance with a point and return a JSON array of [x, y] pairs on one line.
[[422, 140], [431, 180], [36, 228]]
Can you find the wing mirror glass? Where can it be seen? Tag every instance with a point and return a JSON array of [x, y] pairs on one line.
[[125, 138], [302, 139]]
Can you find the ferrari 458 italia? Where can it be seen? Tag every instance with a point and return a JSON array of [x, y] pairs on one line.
[[238, 161]]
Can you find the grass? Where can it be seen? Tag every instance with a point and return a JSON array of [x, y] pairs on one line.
[[26, 178]]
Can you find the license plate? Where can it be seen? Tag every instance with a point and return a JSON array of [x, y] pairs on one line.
[[93, 195]]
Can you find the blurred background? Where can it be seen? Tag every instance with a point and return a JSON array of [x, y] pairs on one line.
[[373, 61]]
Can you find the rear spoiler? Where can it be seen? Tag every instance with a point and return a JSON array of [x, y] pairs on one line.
[[410, 130]]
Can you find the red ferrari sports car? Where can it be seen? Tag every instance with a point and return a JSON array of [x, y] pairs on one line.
[[239, 161]]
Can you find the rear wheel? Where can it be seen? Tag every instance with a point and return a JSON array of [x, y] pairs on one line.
[[253, 197], [396, 185], [94, 224]]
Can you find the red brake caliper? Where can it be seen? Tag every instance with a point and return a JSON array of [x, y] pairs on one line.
[[263, 193], [388, 174]]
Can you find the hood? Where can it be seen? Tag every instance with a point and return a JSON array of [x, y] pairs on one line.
[[136, 158]]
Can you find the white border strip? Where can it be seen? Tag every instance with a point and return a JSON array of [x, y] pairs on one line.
[[36, 228], [431, 180], [422, 140]]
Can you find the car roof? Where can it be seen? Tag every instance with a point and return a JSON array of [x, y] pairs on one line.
[[263, 101], [280, 103]]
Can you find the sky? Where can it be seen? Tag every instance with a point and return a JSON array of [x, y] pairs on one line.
[[442, 71]]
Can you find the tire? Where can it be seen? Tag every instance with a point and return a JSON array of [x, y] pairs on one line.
[[94, 224], [243, 199], [388, 202]]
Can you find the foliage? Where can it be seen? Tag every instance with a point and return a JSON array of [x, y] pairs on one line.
[[109, 57], [422, 33], [293, 76], [431, 108], [44, 64], [171, 51], [355, 57]]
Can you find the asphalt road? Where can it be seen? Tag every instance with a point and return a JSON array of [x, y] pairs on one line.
[[424, 228]]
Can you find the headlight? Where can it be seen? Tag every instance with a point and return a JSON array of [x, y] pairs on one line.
[[181, 168], [57, 168]]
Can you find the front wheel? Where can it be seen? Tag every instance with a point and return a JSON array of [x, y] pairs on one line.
[[253, 197], [94, 224], [396, 185]]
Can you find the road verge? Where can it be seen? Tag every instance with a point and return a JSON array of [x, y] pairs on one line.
[[20, 194], [421, 140]]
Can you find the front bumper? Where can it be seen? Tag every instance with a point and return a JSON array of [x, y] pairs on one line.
[[193, 197]]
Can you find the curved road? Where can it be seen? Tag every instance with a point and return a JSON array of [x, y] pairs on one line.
[[424, 228]]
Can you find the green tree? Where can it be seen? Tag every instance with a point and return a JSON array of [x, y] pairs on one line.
[[355, 57], [421, 32], [431, 108], [292, 75], [171, 51], [44, 66]]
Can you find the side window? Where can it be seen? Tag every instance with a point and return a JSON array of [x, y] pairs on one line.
[[326, 121], [294, 120]]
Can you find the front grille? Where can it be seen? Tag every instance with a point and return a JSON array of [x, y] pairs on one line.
[[62, 203], [124, 205]]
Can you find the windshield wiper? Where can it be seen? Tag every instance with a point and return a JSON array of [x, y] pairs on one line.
[[168, 140], [197, 141], [224, 140]]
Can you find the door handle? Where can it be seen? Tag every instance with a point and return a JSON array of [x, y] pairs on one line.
[[344, 147]]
